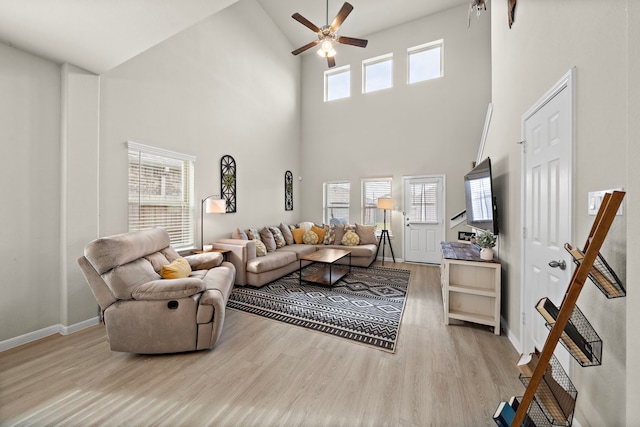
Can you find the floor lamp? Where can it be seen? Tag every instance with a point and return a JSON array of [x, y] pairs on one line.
[[210, 205], [385, 203]]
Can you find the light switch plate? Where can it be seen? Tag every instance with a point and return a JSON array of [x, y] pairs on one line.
[[595, 200]]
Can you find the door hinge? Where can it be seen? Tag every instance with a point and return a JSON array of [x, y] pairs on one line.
[[524, 318], [524, 232]]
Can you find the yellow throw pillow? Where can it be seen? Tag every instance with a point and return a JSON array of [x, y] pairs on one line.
[[178, 269], [298, 235], [320, 232]]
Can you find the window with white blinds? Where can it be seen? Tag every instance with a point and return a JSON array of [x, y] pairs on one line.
[[372, 190], [336, 202], [161, 192], [424, 203]]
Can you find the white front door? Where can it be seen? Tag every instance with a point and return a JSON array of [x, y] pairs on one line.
[[423, 218], [547, 207]]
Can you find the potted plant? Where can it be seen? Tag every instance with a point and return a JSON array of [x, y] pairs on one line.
[[486, 240]]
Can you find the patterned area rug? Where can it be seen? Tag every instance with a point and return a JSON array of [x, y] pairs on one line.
[[364, 306]]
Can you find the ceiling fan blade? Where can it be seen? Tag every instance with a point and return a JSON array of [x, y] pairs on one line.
[[304, 21], [341, 16], [353, 41], [305, 47], [331, 61]]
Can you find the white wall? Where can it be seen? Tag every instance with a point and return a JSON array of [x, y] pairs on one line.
[[633, 205], [30, 192], [432, 127], [228, 85], [79, 192], [547, 39]]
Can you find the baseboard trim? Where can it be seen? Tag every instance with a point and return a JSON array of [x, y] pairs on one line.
[[45, 332], [515, 342]]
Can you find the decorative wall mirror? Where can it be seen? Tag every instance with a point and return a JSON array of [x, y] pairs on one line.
[[228, 182], [288, 191]]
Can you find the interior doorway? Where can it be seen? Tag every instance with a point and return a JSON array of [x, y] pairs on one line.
[[547, 208]]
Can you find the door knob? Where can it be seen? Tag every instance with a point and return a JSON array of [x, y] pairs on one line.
[[558, 264]]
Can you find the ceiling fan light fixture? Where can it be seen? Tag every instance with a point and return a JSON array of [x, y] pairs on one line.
[[326, 49]]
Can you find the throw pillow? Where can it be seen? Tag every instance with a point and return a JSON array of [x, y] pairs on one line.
[[350, 239], [306, 225], [239, 234], [329, 235], [267, 239], [178, 269], [253, 234], [338, 233], [261, 249], [286, 232], [319, 232], [278, 237], [298, 235], [310, 238], [367, 234]]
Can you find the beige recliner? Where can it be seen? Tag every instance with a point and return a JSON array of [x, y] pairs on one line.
[[144, 313]]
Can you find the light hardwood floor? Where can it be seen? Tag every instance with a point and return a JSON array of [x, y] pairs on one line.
[[266, 373]]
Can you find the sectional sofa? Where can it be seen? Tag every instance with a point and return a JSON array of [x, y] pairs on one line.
[[263, 255]]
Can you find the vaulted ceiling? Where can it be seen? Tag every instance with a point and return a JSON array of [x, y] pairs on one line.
[[99, 35]]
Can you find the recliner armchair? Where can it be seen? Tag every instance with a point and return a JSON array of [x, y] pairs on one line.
[[144, 313]]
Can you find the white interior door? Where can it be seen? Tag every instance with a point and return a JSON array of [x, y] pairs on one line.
[[423, 218], [547, 208]]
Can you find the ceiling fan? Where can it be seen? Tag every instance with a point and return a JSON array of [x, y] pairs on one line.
[[327, 34]]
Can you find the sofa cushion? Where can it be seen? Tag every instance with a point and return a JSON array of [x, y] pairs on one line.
[[320, 231], [329, 235], [363, 251], [261, 249], [350, 238], [278, 237], [178, 269], [267, 238], [298, 235], [157, 260], [338, 234], [272, 261], [299, 250], [253, 234], [239, 234], [168, 289], [367, 234], [286, 233], [310, 238], [205, 260], [108, 252], [123, 279]]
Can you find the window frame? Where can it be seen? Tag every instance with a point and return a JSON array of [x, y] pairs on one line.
[[326, 214], [423, 48], [333, 72], [181, 230], [388, 57], [365, 206]]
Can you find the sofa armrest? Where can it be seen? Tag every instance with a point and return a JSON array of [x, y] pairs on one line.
[[164, 289], [205, 260], [241, 251]]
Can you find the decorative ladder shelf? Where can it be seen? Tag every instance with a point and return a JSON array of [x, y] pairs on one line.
[[590, 264]]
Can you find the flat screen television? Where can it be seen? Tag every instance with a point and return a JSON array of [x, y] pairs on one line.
[[480, 199]]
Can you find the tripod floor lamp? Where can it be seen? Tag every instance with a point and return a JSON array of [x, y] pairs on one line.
[[210, 205], [385, 203]]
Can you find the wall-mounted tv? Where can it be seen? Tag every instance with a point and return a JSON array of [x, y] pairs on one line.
[[480, 199]]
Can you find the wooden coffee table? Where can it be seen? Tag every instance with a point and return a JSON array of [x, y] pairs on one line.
[[329, 274]]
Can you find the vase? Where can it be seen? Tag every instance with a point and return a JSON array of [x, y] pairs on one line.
[[486, 254]]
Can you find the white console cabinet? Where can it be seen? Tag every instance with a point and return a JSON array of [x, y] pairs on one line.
[[470, 286]]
